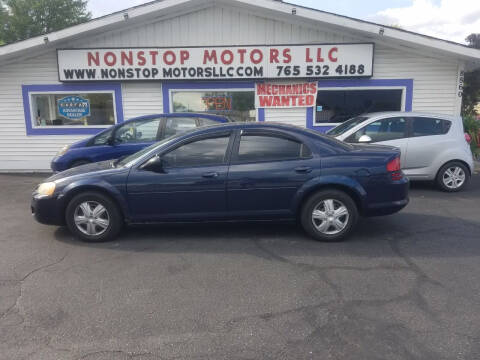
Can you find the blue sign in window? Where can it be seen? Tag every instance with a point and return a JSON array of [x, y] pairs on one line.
[[73, 107]]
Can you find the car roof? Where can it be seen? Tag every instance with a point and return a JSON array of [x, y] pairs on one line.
[[255, 125], [179, 114], [409, 114], [329, 142], [271, 125]]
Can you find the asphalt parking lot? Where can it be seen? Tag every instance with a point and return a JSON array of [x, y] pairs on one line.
[[405, 286]]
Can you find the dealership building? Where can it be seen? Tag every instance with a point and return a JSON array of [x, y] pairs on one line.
[[251, 60]]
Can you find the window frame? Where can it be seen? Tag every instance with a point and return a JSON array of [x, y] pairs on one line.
[[267, 133], [326, 84], [359, 88], [169, 87], [33, 129], [224, 113], [228, 153]]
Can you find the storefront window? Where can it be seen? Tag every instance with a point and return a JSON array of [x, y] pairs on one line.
[[236, 105], [72, 109], [337, 106]]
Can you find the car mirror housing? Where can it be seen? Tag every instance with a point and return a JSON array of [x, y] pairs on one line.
[[155, 164], [365, 139], [111, 141]]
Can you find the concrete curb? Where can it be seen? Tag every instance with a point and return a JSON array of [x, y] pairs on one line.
[[476, 166]]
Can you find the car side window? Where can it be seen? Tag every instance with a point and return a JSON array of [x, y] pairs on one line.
[[259, 148], [204, 152], [423, 126], [138, 131], [102, 139], [178, 125], [382, 130], [207, 122]]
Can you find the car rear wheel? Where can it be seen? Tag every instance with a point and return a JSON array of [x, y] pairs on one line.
[[329, 215], [93, 217], [453, 176]]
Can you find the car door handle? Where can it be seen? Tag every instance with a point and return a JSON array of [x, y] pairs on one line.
[[303, 169], [210, 175]]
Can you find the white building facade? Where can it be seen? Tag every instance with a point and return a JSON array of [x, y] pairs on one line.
[[47, 99]]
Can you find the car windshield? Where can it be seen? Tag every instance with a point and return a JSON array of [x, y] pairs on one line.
[[347, 125], [124, 161]]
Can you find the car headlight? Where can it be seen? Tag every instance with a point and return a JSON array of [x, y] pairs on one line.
[[63, 150], [46, 189]]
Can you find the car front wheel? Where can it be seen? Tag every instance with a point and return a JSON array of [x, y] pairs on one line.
[[93, 217], [453, 177], [329, 215]]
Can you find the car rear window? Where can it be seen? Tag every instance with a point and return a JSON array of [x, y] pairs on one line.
[[256, 148], [423, 126]]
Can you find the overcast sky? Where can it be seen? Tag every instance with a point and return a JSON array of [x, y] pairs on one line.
[[447, 19]]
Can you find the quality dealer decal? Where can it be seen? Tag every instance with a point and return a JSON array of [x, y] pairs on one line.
[[288, 95], [73, 107], [241, 62]]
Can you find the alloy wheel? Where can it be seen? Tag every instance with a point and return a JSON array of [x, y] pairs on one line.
[[91, 218], [454, 177], [330, 216]]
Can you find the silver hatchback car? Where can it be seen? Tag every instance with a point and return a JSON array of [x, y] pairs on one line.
[[433, 147]]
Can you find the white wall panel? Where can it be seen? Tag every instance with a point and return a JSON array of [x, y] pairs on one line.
[[17, 150], [293, 116], [213, 26], [141, 98], [435, 79]]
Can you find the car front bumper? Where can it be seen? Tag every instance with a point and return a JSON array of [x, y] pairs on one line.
[[58, 164], [47, 210]]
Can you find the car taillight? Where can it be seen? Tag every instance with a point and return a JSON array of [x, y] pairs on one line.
[[394, 168], [468, 138], [394, 165]]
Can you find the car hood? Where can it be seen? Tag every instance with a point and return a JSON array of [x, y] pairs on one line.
[[86, 170]]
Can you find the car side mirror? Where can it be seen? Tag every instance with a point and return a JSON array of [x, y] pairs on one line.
[[365, 139], [155, 164], [111, 141]]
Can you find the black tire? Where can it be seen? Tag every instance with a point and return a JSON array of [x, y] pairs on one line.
[[314, 201], [79, 163], [442, 173], [115, 218]]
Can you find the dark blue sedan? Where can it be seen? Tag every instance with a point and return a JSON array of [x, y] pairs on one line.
[[129, 137], [234, 171]]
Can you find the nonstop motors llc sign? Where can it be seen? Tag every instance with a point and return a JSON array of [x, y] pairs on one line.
[[221, 63]]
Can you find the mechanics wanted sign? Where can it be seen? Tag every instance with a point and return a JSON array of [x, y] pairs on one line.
[[285, 95], [217, 63]]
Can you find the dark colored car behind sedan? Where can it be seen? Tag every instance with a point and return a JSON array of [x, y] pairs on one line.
[[129, 137], [237, 171]]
